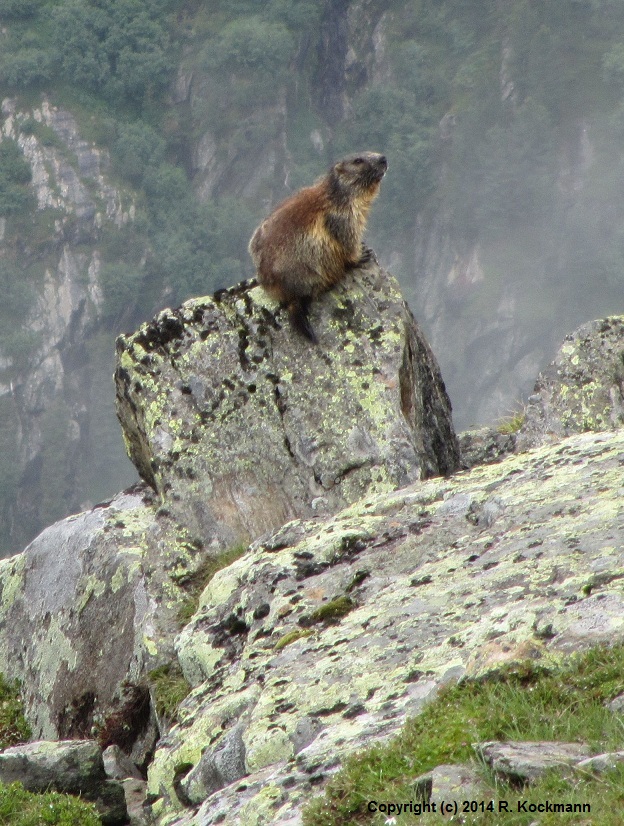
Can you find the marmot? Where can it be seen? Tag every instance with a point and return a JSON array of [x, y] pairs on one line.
[[309, 242]]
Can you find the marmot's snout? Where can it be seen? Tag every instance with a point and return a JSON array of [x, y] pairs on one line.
[[378, 167]]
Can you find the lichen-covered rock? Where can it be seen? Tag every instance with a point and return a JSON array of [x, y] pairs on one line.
[[582, 389], [91, 604], [216, 769], [601, 762], [71, 767], [326, 636], [526, 761], [248, 426], [242, 425]]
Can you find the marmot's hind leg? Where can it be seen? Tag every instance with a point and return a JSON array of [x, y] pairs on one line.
[[298, 312]]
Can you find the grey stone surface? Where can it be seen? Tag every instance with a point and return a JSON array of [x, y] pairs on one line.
[[601, 762], [217, 768], [449, 783], [89, 606], [485, 445], [617, 704], [118, 766]]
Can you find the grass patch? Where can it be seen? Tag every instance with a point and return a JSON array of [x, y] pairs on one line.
[[197, 581], [519, 703], [604, 795], [21, 808], [13, 726], [169, 688], [330, 613], [511, 424]]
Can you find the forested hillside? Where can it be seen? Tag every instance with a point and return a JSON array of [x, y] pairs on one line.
[[143, 139]]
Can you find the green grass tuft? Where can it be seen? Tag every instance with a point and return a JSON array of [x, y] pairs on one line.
[[292, 636], [13, 726], [21, 808], [169, 688], [511, 424], [330, 613]]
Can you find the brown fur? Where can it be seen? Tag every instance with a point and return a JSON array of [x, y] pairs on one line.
[[313, 238]]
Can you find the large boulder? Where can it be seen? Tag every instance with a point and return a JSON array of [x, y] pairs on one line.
[[88, 608], [240, 424], [583, 387]]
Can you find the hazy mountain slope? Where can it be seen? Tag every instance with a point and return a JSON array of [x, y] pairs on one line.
[[155, 134]]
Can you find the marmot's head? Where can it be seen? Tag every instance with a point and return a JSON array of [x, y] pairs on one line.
[[361, 172]]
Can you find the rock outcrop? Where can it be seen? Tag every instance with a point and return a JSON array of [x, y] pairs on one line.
[[583, 387], [368, 584], [327, 636], [581, 390], [88, 608]]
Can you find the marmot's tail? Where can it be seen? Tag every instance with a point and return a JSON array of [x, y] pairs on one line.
[[298, 312]]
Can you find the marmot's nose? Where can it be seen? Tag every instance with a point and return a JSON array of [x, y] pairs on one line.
[[382, 162]]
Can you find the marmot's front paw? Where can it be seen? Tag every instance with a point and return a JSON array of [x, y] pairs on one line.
[[367, 255]]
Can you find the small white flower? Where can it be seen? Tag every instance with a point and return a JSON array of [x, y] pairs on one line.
[[391, 821]]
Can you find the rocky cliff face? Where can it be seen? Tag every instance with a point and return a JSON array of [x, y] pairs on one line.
[[57, 397], [367, 585]]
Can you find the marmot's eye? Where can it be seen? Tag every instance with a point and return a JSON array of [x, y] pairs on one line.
[[358, 161]]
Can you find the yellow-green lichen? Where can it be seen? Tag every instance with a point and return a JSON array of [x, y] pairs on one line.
[[91, 586], [12, 578], [266, 744], [123, 575], [261, 811]]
